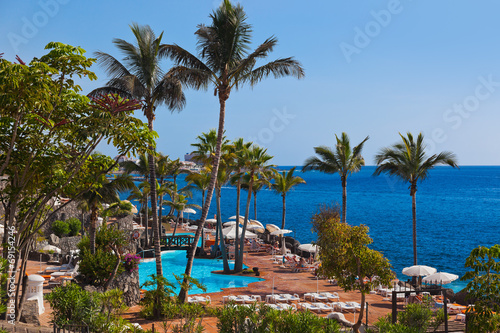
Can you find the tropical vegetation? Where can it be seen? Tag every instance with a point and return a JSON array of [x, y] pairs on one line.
[[408, 161], [351, 262], [342, 160], [225, 64], [140, 76]]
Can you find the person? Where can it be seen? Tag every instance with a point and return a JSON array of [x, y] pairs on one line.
[[302, 262]]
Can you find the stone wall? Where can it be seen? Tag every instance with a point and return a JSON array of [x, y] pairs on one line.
[[65, 213], [129, 284], [67, 244]]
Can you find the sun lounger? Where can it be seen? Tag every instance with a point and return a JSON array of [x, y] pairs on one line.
[[286, 307], [345, 307], [72, 272], [333, 297], [291, 298], [62, 268], [323, 307], [309, 307], [315, 297], [200, 299], [274, 307]]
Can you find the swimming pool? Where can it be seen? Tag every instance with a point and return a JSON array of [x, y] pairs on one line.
[[175, 262]]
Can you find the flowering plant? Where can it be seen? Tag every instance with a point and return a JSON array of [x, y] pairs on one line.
[[131, 262]]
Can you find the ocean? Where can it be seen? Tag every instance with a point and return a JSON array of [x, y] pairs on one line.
[[457, 210]]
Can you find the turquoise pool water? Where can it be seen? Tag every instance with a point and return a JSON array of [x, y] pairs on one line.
[[175, 262]]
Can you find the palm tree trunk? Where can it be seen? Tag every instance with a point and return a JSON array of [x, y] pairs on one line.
[[255, 205], [146, 217], [344, 198], [218, 223], [238, 265], [93, 227], [220, 235], [160, 204], [156, 226], [223, 96], [283, 213], [203, 231], [283, 222], [176, 223], [414, 213]]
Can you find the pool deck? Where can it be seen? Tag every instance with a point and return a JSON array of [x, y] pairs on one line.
[[285, 281]]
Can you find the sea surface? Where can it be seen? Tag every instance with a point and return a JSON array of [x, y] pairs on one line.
[[457, 210]]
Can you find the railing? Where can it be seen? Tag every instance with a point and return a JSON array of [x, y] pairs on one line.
[[180, 242]]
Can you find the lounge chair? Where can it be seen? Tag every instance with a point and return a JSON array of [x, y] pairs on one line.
[[345, 307], [203, 299], [71, 273], [274, 307], [309, 307], [291, 298], [244, 299], [286, 307], [333, 297], [318, 297], [323, 307]]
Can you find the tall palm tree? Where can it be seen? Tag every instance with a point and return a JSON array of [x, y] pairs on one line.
[[105, 192], [408, 161], [200, 182], [240, 147], [258, 183], [343, 160], [283, 183], [141, 167], [255, 165], [225, 64], [141, 194], [178, 198], [141, 77]]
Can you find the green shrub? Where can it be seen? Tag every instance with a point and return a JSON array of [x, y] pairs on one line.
[[96, 269], [60, 228], [99, 311], [417, 316], [74, 226], [71, 305], [264, 319]]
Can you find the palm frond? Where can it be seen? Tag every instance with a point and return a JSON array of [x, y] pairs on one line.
[[278, 68]]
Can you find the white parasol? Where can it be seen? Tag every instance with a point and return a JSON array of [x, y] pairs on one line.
[[441, 277], [419, 270]]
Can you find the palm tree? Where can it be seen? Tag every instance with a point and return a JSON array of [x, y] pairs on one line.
[[255, 164], [141, 167], [283, 183], [141, 194], [258, 183], [240, 147], [226, 64], [408, 161], [141, 77], [342, 160], [200, 182], [105, 192], [178, 201]]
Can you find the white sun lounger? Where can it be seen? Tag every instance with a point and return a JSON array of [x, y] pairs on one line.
[[309, 307], [333, 297], [286, 307], [291, 298], [323, 307]]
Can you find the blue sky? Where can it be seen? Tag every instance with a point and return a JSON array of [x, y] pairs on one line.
[[372, 68]]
